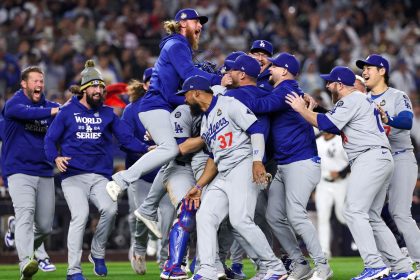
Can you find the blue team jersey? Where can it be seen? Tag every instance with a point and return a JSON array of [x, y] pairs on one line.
[[24, 127]]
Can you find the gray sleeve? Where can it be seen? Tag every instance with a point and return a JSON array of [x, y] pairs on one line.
[[241, 115], [403, 103], [343, 112]]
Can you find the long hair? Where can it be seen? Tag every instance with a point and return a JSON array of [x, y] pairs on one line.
[[172, 27], [135, 89]]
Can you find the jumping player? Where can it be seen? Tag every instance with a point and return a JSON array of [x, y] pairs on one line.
[[173, 66]]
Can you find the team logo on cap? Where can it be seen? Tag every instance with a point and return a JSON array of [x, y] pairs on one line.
[[183, 16], [262, 44], [382, 103], [219, 112]]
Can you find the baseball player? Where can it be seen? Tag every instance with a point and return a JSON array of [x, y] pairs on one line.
[[261, 50], [27, 116], [331, 189], [397, 116], [139, 189], [83, 129], [295, 152], [237, 158], [356, 117], [172, 67]]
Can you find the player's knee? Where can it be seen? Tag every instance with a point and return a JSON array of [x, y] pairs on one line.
[[109, 210]]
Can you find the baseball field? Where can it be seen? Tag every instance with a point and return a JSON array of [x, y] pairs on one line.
[[344, 269]]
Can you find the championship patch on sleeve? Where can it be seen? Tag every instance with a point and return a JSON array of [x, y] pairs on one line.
[[178, 114], [340, 103]]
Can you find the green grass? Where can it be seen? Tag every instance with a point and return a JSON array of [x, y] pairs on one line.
[[344, 269]]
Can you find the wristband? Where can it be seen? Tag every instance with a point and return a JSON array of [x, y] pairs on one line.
[[198, 187]]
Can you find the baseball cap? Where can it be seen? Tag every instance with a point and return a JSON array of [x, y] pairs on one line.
[[288, 61], [188, 13], [245, 63], [373, 60], [262, 45], [147, 74], [195, 83], [232, 56], [340, 74]]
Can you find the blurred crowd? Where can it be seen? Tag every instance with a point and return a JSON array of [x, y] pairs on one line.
[[122, 36]]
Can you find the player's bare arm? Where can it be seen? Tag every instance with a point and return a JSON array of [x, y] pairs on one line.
[[62, 163], [191, 145], [299, 105], [193, 196]]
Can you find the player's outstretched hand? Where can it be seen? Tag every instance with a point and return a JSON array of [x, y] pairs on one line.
[[295, 101], [62, 163], [192, 198]]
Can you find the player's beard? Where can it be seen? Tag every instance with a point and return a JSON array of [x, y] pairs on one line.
[[34, 95], [94, 103], [190, 34], [195, 109]]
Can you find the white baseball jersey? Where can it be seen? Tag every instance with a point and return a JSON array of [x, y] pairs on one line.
[[394, 102], [223, 128], [333, 156], [356, 116]]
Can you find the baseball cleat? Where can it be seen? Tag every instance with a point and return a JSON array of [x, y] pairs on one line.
[[237, 272], [322, 272], [46, 266], [174, 273], [373, 273], [29, 269], [99, 266], [76, 276], [259, 275], [151, 248], [113, 190], [9, 237], [151, 225], [300, 270], [402, 276], [138, 264]]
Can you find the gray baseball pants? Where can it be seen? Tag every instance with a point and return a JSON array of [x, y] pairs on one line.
[[78, 191], [33, 199], [157, 123], [232, 194], [288, 198], [370, 175]]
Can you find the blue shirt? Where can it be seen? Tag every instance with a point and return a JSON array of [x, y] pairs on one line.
[[263, 80], [25, 125], [173, 66], [85, 135], [292, 137], [131, 118]]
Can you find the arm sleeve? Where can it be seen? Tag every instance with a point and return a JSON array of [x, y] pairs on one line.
[[269, 103], [124, 135], [258, 146], [404, 120], [54, 133], [23, 112], [181, 59], [325, 124]]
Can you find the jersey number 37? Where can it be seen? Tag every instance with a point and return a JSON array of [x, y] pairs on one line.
[[225, 140]]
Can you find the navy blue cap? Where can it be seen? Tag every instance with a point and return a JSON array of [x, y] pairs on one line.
[[245, 63], [195, 83], [340, 74], [147, 74], [185, 14], [288, 61], [374, 60], [232, 56], [262, 45]]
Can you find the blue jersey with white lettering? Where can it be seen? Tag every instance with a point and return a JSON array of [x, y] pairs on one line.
[[85, 135], [292, 137], [25, 125]]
